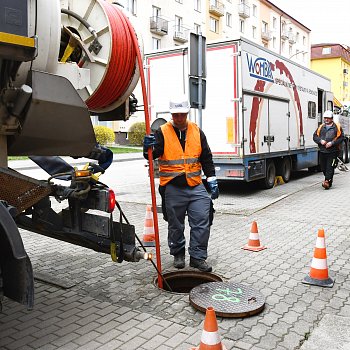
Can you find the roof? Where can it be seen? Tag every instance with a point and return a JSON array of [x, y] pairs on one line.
[[286, 14], [335, 51]]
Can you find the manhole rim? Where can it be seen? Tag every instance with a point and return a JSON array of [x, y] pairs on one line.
[[189, 273]]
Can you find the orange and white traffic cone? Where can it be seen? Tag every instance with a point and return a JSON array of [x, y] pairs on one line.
[[319, 270], [254, 241], [148, 238], [210, 339]]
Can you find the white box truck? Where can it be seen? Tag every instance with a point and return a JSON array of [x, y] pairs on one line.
[[261, 109]]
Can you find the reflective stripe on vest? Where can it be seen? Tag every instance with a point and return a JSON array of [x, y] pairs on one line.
[[175, 161]]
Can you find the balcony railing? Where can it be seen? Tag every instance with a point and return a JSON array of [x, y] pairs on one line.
[[217, 8], [180, 34], [158, 25], [244, 10], [266, 35], [291, 38], [284, 34]]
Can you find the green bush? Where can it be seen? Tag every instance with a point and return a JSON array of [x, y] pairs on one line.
[[104, 135], [137, 132]]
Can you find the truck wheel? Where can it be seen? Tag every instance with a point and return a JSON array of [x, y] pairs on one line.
[[1, 291], [347, 148], [344, 152], [285, 168], [269, 180]]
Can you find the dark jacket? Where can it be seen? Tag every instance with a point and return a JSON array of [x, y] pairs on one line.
[[329, 135]]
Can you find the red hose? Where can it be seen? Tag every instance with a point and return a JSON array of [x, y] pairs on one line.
[[122, 60], [125, 53]]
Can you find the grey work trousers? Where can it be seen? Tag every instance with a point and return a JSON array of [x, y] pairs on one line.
[[196, 202]]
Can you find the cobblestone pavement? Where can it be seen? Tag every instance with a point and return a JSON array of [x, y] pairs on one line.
[[117, 306]]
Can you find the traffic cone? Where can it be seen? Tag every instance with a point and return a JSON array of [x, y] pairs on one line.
[[254, 241], [319, 270], [210, 339], [148, 238]]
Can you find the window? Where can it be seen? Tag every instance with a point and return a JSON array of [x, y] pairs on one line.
[[283, 46], [304, 56], [254, 32], [241, 25], [214, 25], [155, 43], [283, 27], [290, 50], [228, 19], [179, 1], [274, 23], [197, 28], [304, 40], [155, 11], [274, 41], [297, 37], [326, 50], [197, 5], [255, 10], [311, 109], [131, 6], [178, 24], [265, 27]]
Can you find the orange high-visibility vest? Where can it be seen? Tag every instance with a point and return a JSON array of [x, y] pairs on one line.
[[175, 161], [338, 130]]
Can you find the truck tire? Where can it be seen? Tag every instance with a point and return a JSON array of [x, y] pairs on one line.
[[269, 180], [1, 291], [285, 168], [344, 152]]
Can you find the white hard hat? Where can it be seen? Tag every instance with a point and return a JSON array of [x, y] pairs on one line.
[[179, 104], [328, 114]]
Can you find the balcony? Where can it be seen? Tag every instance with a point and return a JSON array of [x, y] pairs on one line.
[[284, 35], [266, 35], [180, 34], [291, 38], [158, 25], [244, 10], [217, 8]]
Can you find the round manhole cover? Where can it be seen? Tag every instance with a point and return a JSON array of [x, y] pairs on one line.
[[229, 299]]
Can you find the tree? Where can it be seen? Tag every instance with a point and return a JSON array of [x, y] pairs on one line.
[[104, 135], [136, 133]]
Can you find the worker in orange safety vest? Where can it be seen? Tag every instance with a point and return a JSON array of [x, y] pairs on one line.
[[183, 153]]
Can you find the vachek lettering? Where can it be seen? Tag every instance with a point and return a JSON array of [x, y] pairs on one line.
[[260, 68]]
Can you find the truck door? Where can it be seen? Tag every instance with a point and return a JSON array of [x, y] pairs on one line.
[[256, 124], [278, 125]]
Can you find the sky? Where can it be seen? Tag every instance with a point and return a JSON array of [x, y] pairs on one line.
[[329, 20]]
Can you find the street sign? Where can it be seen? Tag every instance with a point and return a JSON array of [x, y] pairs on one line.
[[193, 87], [194, 54]]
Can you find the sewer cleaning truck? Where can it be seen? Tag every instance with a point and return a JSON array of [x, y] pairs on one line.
[[60, 63], [260, 109]]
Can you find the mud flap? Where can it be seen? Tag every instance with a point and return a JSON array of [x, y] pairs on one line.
[[16, 268]]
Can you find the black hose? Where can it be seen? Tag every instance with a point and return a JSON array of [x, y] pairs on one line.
[[84, 22]]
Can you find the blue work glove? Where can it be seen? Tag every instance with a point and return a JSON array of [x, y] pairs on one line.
[[213, 187], [148, 141]]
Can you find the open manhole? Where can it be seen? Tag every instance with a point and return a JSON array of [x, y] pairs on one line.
[[184, 281]]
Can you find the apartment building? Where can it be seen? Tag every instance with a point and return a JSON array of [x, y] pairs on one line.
[[168, 23], [333, 61]]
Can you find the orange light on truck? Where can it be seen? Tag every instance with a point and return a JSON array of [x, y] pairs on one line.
[[82, 173]]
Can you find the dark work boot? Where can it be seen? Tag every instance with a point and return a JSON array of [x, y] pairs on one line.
[[179, 261], [199, 264]]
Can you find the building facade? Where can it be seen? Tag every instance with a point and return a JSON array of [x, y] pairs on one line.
[[333, 61], [168, 23]]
